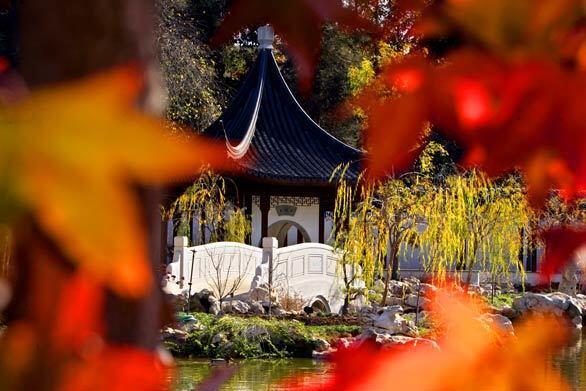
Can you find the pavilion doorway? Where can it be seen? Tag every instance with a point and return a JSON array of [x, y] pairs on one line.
[[288, 233]]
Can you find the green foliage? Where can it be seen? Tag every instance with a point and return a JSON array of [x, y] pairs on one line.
[[256, 337], [502, 300], [189, 65]]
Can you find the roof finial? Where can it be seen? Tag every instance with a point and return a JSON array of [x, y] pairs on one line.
[[266, 37]]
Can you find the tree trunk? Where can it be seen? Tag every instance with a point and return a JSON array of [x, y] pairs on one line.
[[61, 40], [391, 273]]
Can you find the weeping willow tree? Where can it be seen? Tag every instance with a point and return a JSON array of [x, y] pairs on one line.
[[472, 222], [397, 205], [360, 237], [219, 219]]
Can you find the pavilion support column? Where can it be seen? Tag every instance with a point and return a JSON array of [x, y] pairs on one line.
[[265, 206], [322, 216], [248, 213]]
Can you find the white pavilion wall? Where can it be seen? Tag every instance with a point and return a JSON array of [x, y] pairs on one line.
[[306, 216]]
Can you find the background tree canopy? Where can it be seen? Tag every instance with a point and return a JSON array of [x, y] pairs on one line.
[[202, 79]]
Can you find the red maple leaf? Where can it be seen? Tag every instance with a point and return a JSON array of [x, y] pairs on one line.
[[561, 244]]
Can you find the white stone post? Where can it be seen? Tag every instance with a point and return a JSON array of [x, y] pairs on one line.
[[180, 255], [269, 245]]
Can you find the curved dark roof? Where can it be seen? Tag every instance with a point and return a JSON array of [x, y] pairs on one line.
[[271, 137]]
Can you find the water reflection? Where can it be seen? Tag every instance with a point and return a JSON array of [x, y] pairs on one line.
[[571, 361], [255, 375], [252, 375]]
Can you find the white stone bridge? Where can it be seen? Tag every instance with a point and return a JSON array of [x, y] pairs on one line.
[[307, 270]]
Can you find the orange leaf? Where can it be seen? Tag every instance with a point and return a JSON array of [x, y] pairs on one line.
[[71, 153]]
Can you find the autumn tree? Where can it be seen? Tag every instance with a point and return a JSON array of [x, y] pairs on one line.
[[472, 222]]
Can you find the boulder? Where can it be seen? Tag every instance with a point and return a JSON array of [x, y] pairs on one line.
[[323, 355], [196, 305], [388, 341], [501, 324], [173, 335], [508, 312], [427, 289], [398, 288], [215, 306], [259, 293], [219, 339], [392, 322], [257, 308], [538, 302], [414, 301], [556, 303], [235, 307], [321, 345], [401, 342], [255, 332]]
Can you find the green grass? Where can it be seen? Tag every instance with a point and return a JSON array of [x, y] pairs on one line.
[[283, 338], [502, 300]]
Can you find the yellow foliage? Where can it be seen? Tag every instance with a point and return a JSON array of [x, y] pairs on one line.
[[471, 222]]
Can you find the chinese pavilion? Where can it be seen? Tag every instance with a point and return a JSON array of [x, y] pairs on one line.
[[285, 158]]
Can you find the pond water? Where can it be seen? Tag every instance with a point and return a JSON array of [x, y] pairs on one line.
[[259, 375]]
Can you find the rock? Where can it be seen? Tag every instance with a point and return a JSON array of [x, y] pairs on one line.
[[323, 355], [393, 300], [215, 306], [508, 312], [427, 289], [392, 322], [257, 308], [398, 288], [195, 304], [219, 338], [321, 345], [414, 301], [278, 311], [260, 293], [403, 342], [235, 307], [538, 302], [174, 335], [574, 309], [255, 332], [556, 303], [499, 323], [346, 343]]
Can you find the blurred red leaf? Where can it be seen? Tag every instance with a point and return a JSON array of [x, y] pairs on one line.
[[393, 132], [474, 355], [561, 244], [299, 22], [4, 65], [118, 369]]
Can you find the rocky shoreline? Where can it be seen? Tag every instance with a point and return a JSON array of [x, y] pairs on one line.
[[245, 328]]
